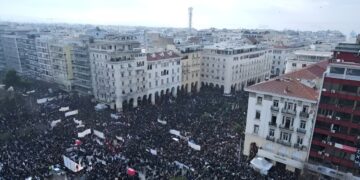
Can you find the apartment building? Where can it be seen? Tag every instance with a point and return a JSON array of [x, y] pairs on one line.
[[164, 74], [190, 67], [232, 66], [118, 69], [281, 116], [303, 58]]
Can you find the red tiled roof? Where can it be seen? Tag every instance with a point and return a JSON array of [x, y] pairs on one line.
[[161, 55], [314, 71], [290, 84]]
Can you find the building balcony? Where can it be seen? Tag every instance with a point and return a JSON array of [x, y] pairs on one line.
[[304, 115], [273, 124], [300, 146], [288, 111], [270, 138], [301, 130], [274, 109], [283, 126], [282, 142]]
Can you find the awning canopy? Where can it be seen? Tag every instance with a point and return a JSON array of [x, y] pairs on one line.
[[261, 165]]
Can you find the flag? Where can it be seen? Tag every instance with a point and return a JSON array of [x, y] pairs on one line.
[[77, 142], [131, 172]]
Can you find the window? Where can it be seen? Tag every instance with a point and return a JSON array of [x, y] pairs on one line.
[[353, 72], [259, 100], [337, 70], [293, 64], [299, 140], [272, 132], [276, 103], [302, 124], [303, 65], [256, 129], [285, 136], [273, 120], [305, 109], [257, 115], [287, 122]]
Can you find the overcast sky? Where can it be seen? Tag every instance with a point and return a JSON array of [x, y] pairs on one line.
[[275, 14]]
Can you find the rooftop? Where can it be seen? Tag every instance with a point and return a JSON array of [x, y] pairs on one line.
[[161, 55], [230, 46], [294, 84], [313, 53]]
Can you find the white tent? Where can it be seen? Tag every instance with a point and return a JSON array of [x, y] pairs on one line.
[[261, 165]]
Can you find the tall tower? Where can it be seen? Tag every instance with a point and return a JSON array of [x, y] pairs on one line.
[[190, 19]]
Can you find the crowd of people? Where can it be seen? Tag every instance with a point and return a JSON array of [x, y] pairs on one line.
[[137, 138]]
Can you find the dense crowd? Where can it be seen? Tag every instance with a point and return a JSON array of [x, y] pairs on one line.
[[30, 146]]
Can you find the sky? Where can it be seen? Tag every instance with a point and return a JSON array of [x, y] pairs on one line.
[[313, 15]]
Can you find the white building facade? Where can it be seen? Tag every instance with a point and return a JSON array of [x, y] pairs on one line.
[[118, 70], [232, 66], [164, 74], [280, 118], [190, 65], [304, 58]]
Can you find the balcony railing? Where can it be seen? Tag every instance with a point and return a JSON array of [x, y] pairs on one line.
[[273, 124], [282, 126], [301, 130], [270, 138], [300, 146], [288, 111], [282, 142], [274, 108], [304, 115]]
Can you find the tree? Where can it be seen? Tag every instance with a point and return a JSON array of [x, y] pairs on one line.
[[12, 79]]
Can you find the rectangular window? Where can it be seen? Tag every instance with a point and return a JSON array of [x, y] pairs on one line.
[[285, 136], [272, 132], [257, 115], [337, 70], [293, 64], [276, 103], [353, 72], [259, 100], [303, 124], [299, 140], [256, 129]]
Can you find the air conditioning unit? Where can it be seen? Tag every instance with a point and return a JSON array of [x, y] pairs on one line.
[[332, 91], [324, 89], [329, 116], [338, 118], [333, 131]]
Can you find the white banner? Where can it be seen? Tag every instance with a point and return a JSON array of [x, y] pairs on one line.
[[84, 133], [120, 138], [194, 146], [99, 134], [73, 166], [54, 123], [161, 122], [99, 142], [175, 132], [63, 109], [78, 122], [41, 101], [114, 116], [30, 92], [71, 113]]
